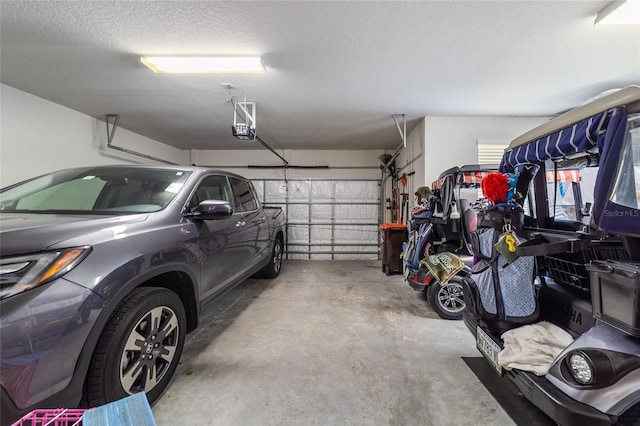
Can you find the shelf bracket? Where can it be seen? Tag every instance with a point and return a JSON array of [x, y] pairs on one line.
[[114, 126], [403, 130], [111, 130]]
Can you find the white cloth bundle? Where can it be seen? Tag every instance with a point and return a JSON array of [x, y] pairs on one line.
[[533, 347]]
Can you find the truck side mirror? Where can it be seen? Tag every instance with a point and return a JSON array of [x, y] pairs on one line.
[[213, 209]]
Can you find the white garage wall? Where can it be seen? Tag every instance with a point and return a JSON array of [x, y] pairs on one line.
[[38, 136], [409, 161], [452, 141]]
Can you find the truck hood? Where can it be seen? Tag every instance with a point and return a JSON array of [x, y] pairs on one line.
[[26, 233]]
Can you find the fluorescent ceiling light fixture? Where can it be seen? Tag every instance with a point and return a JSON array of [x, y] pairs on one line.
[[620, 12], [204, 64]]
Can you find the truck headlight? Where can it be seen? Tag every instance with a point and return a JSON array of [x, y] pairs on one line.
[[18, 274], [580, 368]]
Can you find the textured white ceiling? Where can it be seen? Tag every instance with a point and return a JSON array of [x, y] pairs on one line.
[[336, 71]]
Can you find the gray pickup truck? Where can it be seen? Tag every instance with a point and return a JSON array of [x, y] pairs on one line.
[[104, 270]]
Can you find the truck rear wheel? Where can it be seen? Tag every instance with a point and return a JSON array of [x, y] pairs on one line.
[[274, 266]]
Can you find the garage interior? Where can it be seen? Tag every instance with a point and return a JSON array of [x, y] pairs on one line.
[[353, 95], [348, 346]]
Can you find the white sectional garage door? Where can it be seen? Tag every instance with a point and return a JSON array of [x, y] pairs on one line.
[[327, 219]]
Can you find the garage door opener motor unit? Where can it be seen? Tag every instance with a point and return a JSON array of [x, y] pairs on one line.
[[244, 120]]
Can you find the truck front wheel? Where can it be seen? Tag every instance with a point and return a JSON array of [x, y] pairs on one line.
[[139, 349]]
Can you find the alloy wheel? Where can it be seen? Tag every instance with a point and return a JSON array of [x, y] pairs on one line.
[[149, 350]]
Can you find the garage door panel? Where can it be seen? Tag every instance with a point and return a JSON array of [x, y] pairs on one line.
[[357, 191], [328, 219], [274, 191], [321, 234], [298, 234], [356, 213], [299, 190], [322, 190], [298, 213], [358, 233], [321, 213]]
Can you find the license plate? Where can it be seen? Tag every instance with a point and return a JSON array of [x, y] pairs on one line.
[[488, 348]]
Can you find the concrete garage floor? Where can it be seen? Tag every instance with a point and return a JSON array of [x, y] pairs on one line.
[[327, 343]]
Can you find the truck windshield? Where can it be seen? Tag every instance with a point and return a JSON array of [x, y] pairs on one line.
[[98, 190]]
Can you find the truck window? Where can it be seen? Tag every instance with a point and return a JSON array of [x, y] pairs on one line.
[[214, 187], [244, 197]]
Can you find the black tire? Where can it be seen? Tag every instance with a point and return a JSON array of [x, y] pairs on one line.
[[274, 266], [447, 301], [120, 349]]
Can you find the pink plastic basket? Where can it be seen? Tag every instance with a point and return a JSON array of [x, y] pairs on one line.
[[52, 417], [131, 410]]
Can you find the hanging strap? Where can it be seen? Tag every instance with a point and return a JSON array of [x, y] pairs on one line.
[[555, 190]]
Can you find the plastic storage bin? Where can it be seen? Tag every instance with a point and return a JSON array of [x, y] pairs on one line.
[[133, 410], [393, 235], [615, 294], [52, 417]]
